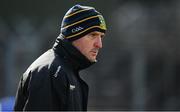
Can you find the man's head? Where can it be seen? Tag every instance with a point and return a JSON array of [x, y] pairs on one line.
[[90, 44], [84, 27]]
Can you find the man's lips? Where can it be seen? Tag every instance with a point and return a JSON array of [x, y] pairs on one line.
[[94, 53]]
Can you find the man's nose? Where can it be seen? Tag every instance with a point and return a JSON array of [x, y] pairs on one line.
[[98, 42]]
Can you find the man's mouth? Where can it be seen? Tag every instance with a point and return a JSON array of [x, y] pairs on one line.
[[94, 53]]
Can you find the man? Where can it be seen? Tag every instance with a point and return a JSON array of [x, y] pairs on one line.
[[52, 82]]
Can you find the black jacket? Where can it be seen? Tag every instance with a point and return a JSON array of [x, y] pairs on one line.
[[52, 82]]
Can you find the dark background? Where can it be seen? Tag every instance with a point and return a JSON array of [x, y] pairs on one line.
[[138, 67]]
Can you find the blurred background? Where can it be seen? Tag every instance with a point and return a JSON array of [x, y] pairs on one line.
[[138, 66]]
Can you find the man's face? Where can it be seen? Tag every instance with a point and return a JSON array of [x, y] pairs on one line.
[[90, 44]]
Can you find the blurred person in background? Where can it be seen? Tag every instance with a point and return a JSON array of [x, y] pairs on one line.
[[52, 82]]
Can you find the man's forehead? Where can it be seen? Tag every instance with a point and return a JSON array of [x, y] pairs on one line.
[[97, 32]]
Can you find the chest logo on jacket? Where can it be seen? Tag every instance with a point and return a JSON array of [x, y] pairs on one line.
[[72, 87]]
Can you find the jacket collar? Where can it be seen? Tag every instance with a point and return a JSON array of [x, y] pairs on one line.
[[74, 57]]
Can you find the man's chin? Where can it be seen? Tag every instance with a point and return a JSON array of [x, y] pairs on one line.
[[93, 60]]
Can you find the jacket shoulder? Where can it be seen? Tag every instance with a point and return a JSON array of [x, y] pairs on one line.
[[43, 70]]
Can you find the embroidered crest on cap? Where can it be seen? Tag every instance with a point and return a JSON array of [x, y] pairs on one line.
[[102, 24]]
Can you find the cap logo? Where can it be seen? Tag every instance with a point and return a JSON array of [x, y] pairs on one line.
[[74, 30], [102, 22]]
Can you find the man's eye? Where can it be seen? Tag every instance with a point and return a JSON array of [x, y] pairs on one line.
[[102, 36], [92, 34]]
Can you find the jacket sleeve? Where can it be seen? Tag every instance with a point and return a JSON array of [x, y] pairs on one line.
[[20, 97], [22, 94]]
